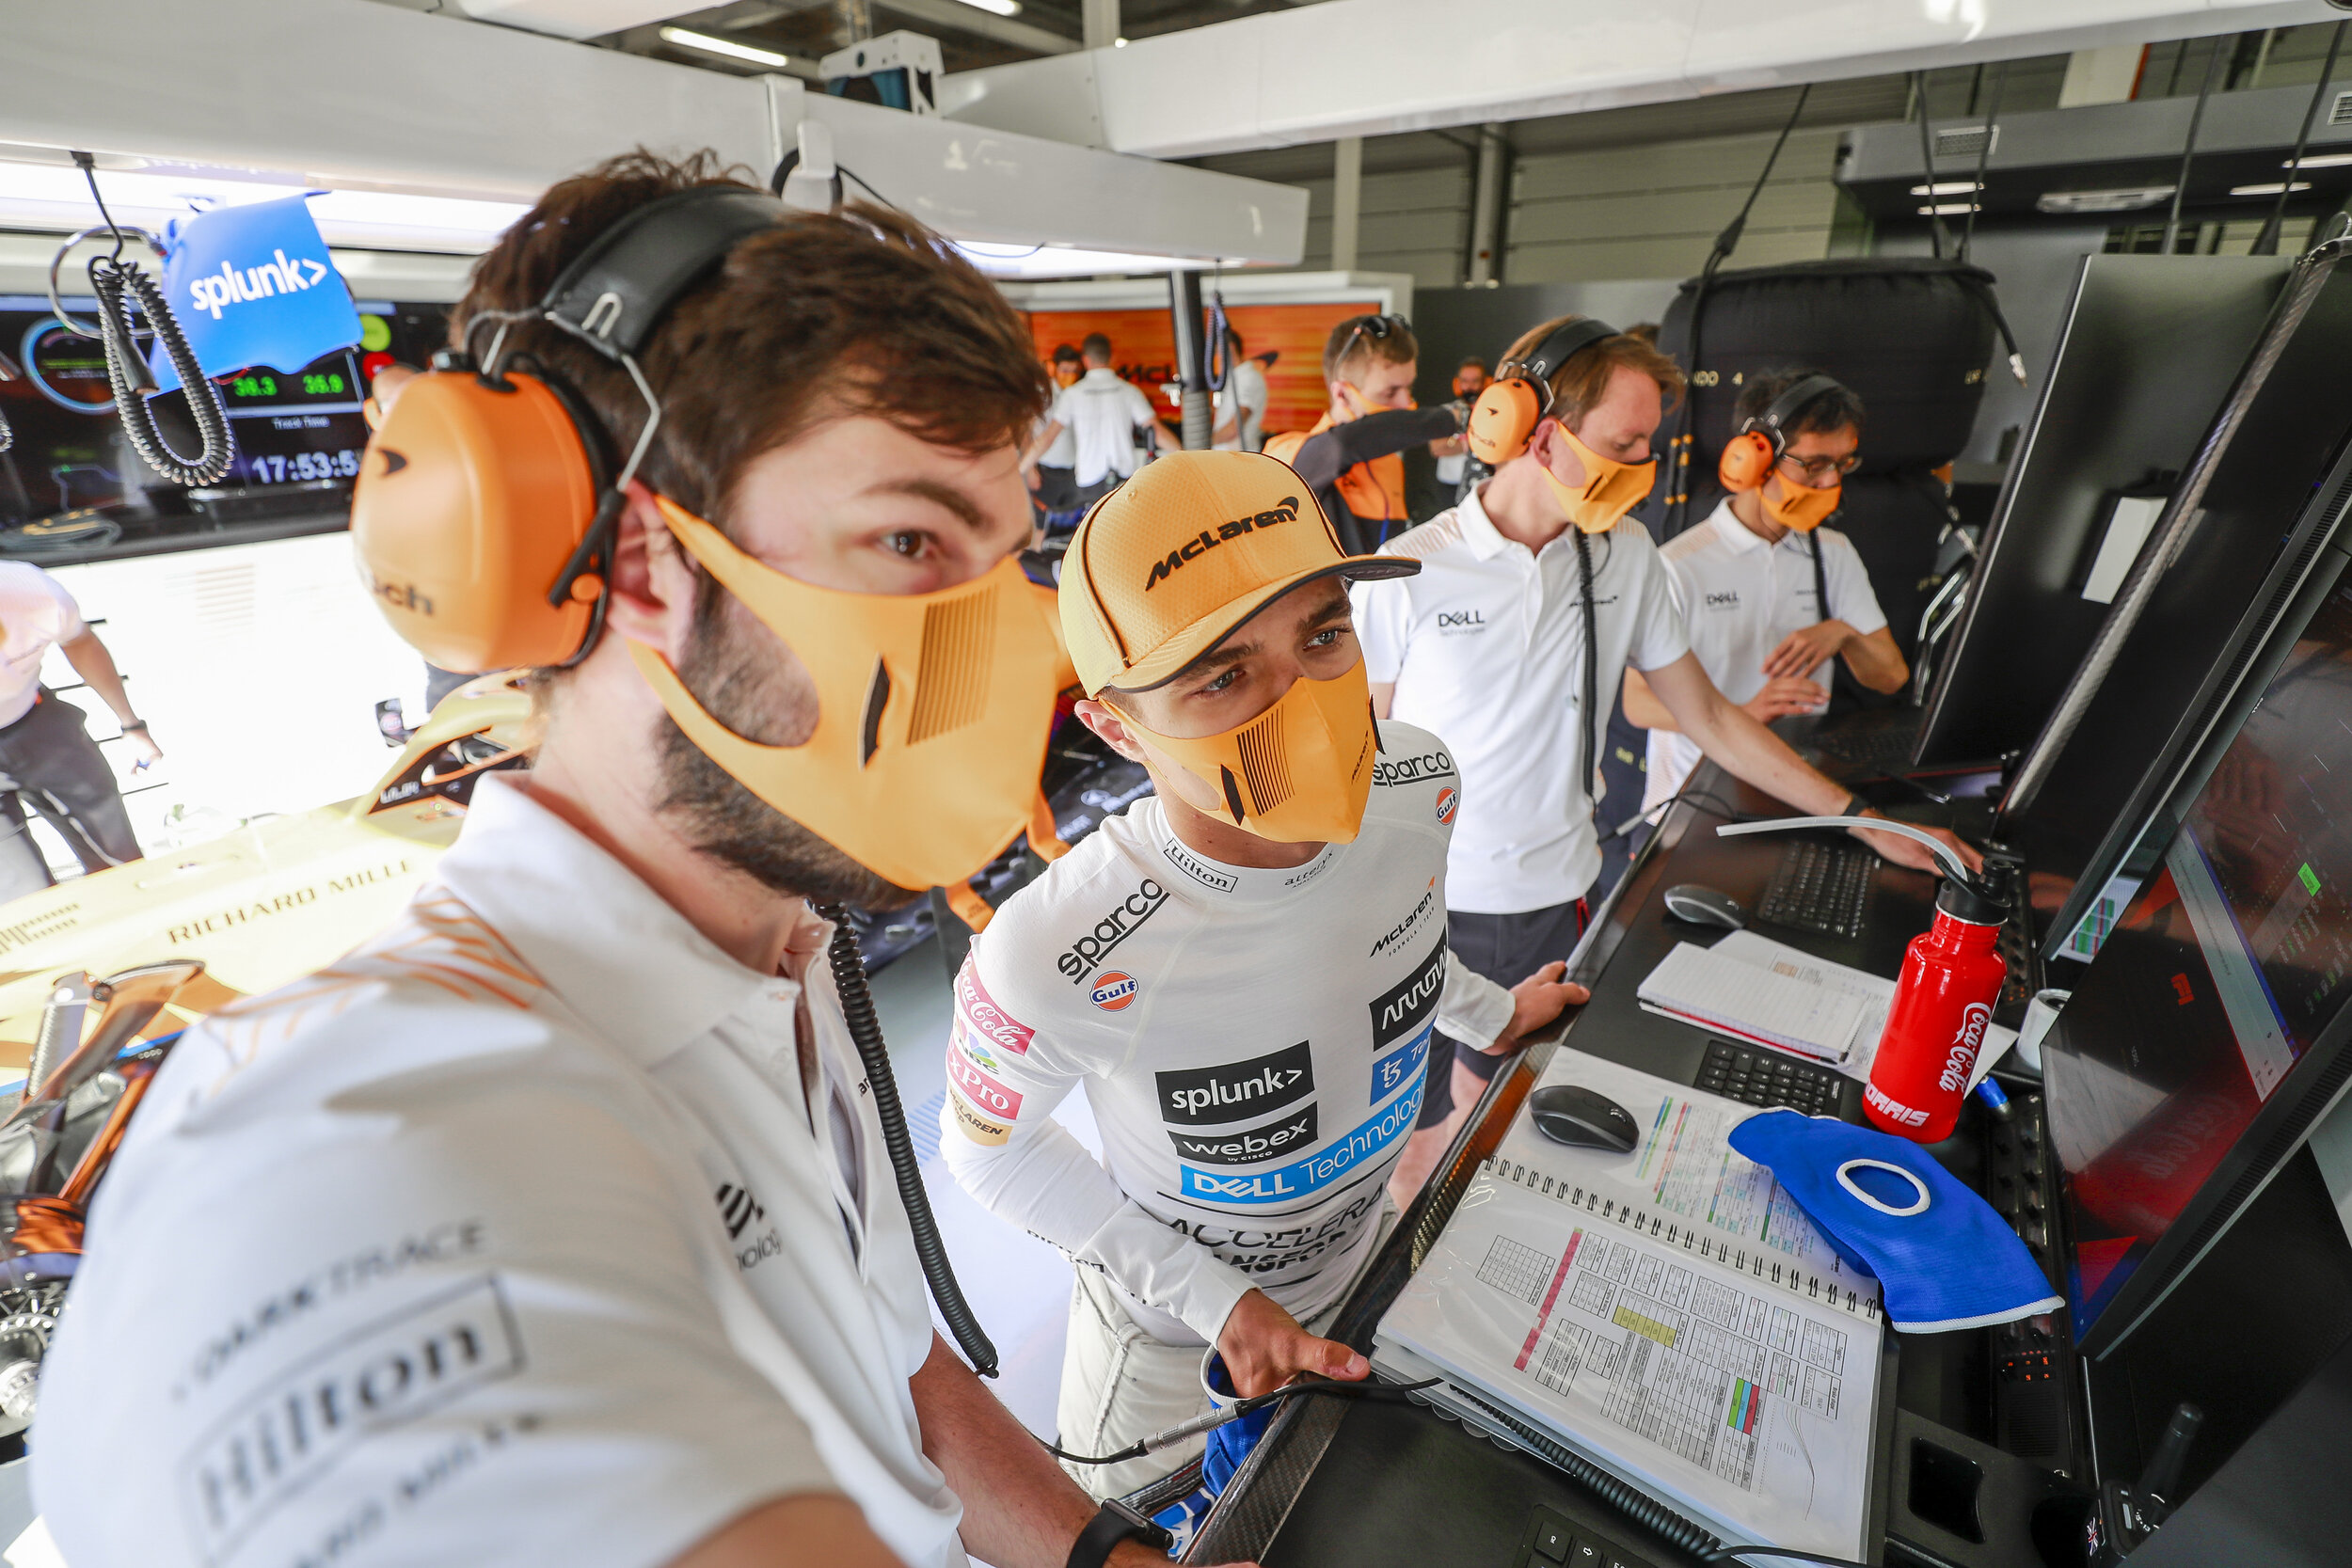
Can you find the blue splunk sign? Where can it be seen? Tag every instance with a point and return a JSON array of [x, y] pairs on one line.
[[254, 285]]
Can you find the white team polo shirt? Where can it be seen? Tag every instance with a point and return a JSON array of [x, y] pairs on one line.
[[508, 1239], [35, 614], [1739, 599], [1102, 412], [1486, 648]]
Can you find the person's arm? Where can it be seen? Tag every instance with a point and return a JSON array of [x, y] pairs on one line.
[[1732, 737], [1020, 1509], [1873, 658], [1324, 457], [1642, 707], [1876, 663], [815, 1530], [1472, 1007], [96, 666], [1037, 449]]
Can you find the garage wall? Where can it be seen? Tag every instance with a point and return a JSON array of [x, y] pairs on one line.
[[1652, 211], [1414, 221]]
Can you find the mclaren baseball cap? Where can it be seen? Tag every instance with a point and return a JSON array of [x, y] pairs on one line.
[[1165, 567]]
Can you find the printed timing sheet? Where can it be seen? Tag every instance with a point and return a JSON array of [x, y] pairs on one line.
[[1744, 1402]]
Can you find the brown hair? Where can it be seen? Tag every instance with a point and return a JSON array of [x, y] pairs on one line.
[[1362, 339], [1580, 384], [818, 318]]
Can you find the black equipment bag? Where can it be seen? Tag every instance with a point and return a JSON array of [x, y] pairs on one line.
[[1912, 335]]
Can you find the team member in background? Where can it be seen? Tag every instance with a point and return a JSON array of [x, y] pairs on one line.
[[1053, 479], [45, 740], [1453, 453], [1101, 413], [1352, 457], [555, 1224], [1243, 970], [1500, 639], [1241, 405], [1768, 593]]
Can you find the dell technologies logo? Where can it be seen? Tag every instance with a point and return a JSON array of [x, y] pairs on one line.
[[1204, 540]]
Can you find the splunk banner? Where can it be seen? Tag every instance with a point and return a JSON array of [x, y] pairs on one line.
[[254, 285]]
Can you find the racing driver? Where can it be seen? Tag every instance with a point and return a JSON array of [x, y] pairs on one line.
[[1244, 969], [554, 1225]]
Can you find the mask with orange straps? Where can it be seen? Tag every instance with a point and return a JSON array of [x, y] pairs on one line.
[[485, 519], [1751, 457]]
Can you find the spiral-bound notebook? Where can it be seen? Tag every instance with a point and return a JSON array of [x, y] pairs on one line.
[[1669, 1315]]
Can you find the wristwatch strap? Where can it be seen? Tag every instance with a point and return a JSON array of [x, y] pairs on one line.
[[1115, 1523]]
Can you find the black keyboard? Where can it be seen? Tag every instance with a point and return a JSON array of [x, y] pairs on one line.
[[1821, 887], [1554, 1541], [1887, 750], [1767, 1078]]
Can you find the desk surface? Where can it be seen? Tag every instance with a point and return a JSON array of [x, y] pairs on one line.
[[1370, 1484]]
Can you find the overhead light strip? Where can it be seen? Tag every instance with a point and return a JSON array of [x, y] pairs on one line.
[[685, 37]]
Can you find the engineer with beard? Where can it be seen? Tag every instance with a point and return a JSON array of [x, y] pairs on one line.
[[554, 1225]]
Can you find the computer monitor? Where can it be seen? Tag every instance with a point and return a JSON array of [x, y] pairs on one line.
[[2212, 1032], [2268, 483], [2151, 346], [298, 434]]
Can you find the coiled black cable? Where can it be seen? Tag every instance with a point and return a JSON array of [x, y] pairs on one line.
[[112, 281], [857, 1010]]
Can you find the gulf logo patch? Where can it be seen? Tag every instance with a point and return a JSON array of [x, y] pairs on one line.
[[1113, 992], [1447, 801]]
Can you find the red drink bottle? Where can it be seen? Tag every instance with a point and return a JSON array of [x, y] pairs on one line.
[[1942, 1003]]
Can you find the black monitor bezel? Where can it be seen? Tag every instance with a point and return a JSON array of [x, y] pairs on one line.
[[2317, 1079]]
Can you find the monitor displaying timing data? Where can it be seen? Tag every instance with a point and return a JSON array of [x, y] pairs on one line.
[[2210, 1032]]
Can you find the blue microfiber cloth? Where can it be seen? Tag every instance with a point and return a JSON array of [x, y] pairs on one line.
[[1943, 1258]]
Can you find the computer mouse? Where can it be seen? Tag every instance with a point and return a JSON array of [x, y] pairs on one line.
[[1704, 905], [1582, 1118]]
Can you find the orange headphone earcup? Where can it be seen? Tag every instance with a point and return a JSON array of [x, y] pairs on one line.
[[1747, 460], [469, 502], [1501, 421]]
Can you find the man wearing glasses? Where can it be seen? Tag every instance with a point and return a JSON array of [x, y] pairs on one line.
[[1769, 596]]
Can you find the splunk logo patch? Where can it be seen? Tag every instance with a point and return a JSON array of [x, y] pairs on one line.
[[1251, 1143], [1125, 919], [1203, 1095], [1210, 539], [281, 275]]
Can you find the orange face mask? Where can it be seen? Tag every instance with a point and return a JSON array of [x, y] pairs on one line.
[[1299, 773], [1800, 507], [932, 710], [1611, 489]]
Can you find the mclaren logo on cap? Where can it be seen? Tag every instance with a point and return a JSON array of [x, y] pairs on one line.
[[1204, 540]]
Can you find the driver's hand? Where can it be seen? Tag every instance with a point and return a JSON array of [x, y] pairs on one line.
[[1264, 1348], [144, 745], [1536, 1001]]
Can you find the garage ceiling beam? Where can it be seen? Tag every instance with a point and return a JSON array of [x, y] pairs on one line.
[[1358, 68]]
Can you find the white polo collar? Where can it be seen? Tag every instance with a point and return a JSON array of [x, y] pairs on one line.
[[630, 966], [1735, 535], [1238, 884]]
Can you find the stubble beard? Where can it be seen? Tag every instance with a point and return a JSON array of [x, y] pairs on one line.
[[744, 678]]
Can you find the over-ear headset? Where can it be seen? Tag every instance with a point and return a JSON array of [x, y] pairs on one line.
[[1748, 458], [487, 503], [1515, 402]]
